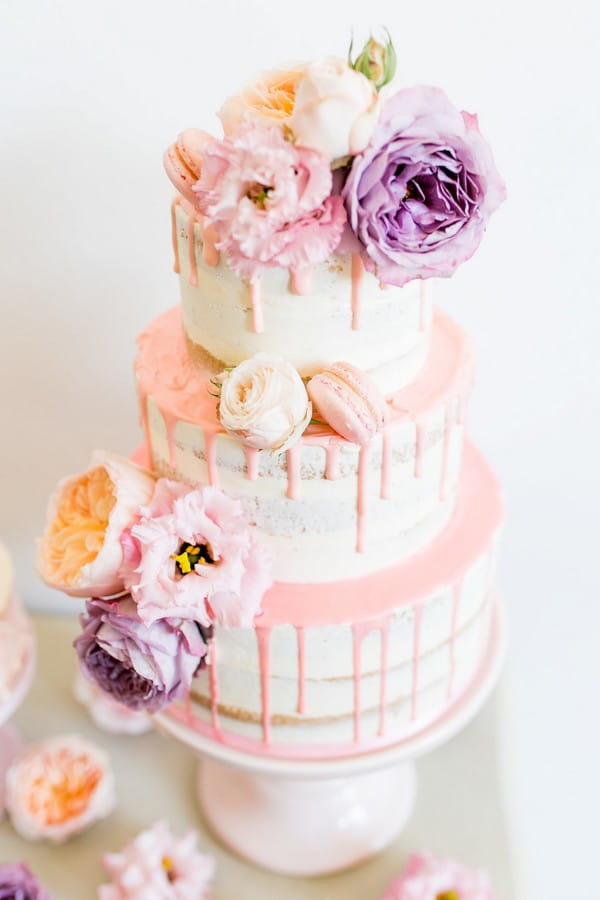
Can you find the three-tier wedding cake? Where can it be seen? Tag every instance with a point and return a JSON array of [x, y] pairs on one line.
[[301, 560]]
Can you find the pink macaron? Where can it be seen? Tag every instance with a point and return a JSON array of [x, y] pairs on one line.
[[183, 160], [349, 401]]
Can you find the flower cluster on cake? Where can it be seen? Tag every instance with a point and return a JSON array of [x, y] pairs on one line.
[[302, 551]]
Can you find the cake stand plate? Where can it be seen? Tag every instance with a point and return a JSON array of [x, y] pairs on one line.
[[311, 817], [11, 742]]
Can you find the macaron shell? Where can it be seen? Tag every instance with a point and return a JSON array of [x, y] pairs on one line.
[[341, 408], [183, 161]]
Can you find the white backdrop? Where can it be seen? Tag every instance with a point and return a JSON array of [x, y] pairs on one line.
[[93, 93]]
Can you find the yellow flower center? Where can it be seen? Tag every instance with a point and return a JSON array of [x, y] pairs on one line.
[[191, 556], [447, 895]]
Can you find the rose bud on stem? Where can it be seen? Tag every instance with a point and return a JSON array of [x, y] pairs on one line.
[[376, 61]]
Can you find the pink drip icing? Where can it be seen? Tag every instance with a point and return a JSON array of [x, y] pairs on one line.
[[301, 280], [359, 629], [384, 669], [419, 448], [263, 639], [210, 254], [210, 452], [256, 303], [445, 452], [386, 464], [363, 484], [418, 612], [357, 272], [193, 278], [332, 465], [251, 462], [423, 305], [174, 205], [214, 686], [456, 593], [301, 671], [293, 459], [143, 401]]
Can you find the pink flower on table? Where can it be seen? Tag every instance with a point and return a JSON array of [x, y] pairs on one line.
[[191, 555], [269, 201], [80, 552], [158, 866], [428, 878], [107, 713], [59, 787]]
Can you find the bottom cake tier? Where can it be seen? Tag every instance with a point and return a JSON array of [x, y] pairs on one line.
[[339, 668]]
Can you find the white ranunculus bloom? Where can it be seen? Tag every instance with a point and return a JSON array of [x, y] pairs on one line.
[[335, 110], [264, 403]]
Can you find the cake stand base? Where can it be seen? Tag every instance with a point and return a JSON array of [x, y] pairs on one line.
[[302, 827]]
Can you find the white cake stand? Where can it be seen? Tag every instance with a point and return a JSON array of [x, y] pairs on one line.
[[312, 817], [10, 737]]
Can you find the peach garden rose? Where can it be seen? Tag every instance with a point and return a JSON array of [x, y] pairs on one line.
[[59, 787], [80, 552], [269, 99]]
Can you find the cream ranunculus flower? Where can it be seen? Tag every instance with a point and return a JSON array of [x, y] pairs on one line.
[[336, 109], [264, 403], [268, 100], [80, 552]]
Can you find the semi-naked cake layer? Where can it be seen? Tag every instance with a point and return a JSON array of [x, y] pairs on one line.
[[336, 311], [326, 508], [340, 667]]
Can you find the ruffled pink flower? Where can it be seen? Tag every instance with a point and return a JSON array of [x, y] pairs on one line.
[[428, 878], [59, 787], [107, 713], [191, 555], [269, 201], [158, 866]]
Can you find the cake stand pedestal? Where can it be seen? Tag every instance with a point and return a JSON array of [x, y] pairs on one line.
[[312, 817], [10, 738]]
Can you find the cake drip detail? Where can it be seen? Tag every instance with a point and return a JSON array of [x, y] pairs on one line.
[[174, 204], [263, 639], [358, 271], [300, 640], [254, 292], [418, 614]]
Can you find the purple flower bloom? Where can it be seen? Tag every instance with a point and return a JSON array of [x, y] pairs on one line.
[[140, 666], [419, 196], [18, 883]]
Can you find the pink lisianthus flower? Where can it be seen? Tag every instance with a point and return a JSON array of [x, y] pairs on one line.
[[191, 555], [158, 865], [269, 201], [428, 878]]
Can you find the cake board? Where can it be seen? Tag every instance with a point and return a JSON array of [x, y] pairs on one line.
[[313, 817]]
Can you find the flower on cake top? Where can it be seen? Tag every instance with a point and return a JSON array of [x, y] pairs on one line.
[[107, 713], [428, 878], [263, 403], [17, 882], [158, 866], [268, 100], [58, 787], [137, 665], [80, 552], [419, 195], [269, 201], [336, 109], [191, 555]]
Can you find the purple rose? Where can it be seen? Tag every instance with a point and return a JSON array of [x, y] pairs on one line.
[[18, 883], [140, 666], [419, 196]]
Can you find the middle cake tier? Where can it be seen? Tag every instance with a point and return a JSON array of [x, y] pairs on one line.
[[326, 508]]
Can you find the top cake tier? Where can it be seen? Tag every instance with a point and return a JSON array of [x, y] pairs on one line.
[[335, 310]]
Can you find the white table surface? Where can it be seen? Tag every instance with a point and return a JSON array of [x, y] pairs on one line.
[[459, 808]]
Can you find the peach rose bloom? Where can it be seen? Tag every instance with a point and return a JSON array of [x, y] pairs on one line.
[[59, 787], [268, 100], [80, 552]]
